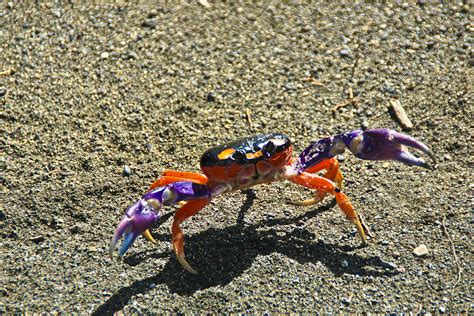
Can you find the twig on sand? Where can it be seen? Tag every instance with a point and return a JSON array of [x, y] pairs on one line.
[[400, 114], [249, 117], [456, 260], [313, 81], [349, 101], [204, 3]]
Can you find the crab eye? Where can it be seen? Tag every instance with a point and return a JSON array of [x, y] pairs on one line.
[[239, 156], [269, 148]]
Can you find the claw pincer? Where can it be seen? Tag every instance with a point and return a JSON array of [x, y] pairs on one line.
[[140, 216], [263, 159], [373, 144]]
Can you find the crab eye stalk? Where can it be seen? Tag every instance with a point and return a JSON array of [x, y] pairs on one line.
[[239, 156], [269, 148]]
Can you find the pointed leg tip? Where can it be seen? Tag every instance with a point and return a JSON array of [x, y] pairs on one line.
[[149, 237], [186, 265]]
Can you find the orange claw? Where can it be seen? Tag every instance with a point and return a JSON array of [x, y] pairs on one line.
[[187, 210]]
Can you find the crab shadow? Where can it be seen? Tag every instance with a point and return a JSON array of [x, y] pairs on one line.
[[220, 255]]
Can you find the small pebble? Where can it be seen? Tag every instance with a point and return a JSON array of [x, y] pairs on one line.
[[149, 23], [211, 97], [132, 55], [344, 263], [78, 228], [104, 55], [152, 13], [37, 239], [290, 86], [126, 171], [344, 53], [430, 45], [204, 3], [442, 309], [390, 265], [420, 251]]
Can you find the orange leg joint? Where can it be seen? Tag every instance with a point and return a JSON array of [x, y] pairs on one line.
[[324, 185], [332, 173]]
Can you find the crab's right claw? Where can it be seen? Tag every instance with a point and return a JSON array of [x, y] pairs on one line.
[[385, 144], [137, 220]]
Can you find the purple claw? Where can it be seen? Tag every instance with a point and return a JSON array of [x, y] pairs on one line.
[[385, 144], [141, 215], [373, 144], [138, 218]]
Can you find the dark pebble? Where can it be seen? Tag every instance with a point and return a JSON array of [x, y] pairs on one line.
[[149, 23], [3, 91], [132, 55], [76, 229], [211, 97], [37, 239], [430, 45]]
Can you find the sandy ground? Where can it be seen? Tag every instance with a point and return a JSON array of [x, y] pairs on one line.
[[88, 93]]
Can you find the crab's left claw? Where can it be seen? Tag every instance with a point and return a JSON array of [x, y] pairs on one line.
[[386, 144], [138, 218]]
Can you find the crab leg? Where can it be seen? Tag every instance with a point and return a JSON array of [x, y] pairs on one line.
[[332, 173], [186, 175], [186, 211], [316, 182], [170, 176]]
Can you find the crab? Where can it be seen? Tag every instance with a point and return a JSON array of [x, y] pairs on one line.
[[260, 159]]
